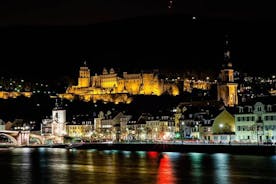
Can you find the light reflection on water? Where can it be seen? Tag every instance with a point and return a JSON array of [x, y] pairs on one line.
[[48, 165], [221, 168]]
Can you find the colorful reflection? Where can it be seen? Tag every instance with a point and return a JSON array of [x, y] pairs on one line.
[[165, 170], [153, 154]]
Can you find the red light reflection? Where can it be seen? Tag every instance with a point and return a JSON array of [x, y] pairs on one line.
[[165, 171], [153, 154]]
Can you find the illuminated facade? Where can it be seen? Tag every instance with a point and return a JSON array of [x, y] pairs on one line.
[[55, 129], [189, 85], [14, 94], [256, 123], [111, 87], [224, 127], [227, 88], [81, 129]]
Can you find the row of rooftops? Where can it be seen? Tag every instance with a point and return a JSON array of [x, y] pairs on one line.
[[189, 111]]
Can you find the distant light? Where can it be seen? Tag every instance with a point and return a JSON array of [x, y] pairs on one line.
[[194, 18], [220, 125]]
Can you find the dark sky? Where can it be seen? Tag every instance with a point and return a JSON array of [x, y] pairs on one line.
[[50, 38]]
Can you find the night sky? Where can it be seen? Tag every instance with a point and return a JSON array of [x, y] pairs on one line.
[[48, 39]]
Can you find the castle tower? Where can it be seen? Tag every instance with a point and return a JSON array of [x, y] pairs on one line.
[[84, 76], [227, 88]]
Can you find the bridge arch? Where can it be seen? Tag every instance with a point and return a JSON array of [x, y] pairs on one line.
[[38, 138], [49, 140], [13, 140]]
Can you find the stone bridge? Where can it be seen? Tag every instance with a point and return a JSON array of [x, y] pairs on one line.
[[21, 138]]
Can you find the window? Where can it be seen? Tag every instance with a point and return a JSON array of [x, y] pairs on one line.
[[239, 118], [240, 109], [269, 108]]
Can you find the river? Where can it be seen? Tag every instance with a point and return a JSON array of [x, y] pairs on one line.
[[62, 166]]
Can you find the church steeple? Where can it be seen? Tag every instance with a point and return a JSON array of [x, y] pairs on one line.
[[226, 49], [227, 88], [58, 105]]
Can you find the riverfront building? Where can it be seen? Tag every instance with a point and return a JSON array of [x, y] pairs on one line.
[[256, 123]]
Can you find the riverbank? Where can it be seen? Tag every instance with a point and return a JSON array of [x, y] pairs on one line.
[[202, 148], [183, 148]]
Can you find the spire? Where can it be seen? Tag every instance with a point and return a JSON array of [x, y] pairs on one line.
[[57, 105], [227, 60], [227, 49], [84, 63]]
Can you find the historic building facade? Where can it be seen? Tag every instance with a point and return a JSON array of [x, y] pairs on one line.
[[256, 123]]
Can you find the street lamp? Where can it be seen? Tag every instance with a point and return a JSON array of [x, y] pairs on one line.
[[220, 126]]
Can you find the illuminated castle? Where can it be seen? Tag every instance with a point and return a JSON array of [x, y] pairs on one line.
[[227, 88], [110, 87]]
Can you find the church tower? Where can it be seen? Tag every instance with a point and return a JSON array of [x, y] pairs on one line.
[[84, 76], [227, 88]]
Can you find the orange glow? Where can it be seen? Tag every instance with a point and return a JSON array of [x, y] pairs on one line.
[[165, 171], [111, 88], [14, 94]]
